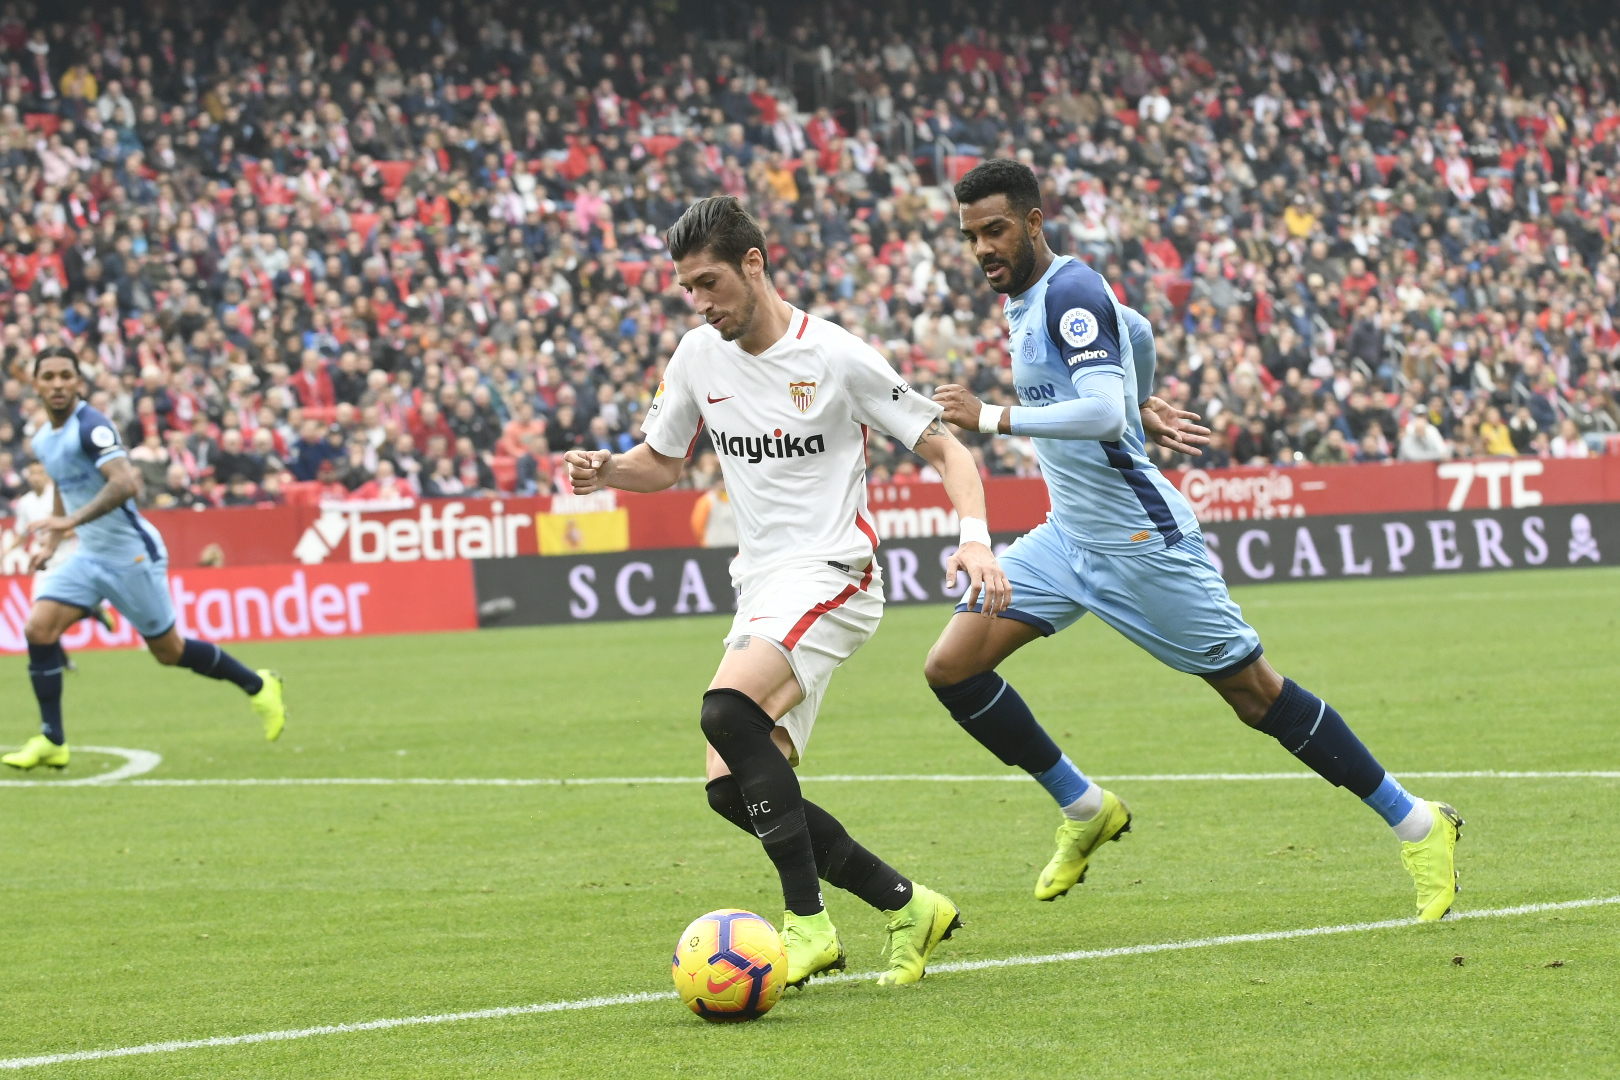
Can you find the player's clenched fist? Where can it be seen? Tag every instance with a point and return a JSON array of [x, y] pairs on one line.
[[588, 469]]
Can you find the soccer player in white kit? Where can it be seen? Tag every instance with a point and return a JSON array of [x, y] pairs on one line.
[[788, 400]]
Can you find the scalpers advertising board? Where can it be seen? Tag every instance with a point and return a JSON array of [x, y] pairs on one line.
[[659, 584]]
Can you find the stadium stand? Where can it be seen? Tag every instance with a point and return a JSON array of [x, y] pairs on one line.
[[310, 251]]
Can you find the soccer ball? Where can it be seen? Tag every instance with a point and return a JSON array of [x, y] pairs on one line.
[[730, 965]]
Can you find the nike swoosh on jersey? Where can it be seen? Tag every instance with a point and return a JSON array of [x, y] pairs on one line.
[[717, 400]]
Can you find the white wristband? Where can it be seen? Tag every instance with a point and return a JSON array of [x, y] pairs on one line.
[[975, 531], [990, 418]]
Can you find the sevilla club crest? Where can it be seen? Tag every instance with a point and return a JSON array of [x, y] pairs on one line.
[[802, 393]]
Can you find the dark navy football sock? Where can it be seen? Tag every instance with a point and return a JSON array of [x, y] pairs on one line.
[[206, 658], [45, 663], [990, 710], [1312, 731]]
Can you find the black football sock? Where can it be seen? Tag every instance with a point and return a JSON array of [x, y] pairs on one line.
[[740, 732], [45, 663], [849, 866], [725, 799], [209, 659], [840, 861], [1311, 730]]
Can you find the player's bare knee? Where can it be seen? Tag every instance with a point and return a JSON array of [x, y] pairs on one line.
[[165, 653], [1250, 709], [947, 668], [40, 634]]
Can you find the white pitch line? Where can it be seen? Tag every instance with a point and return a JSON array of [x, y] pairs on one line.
[[136, 763], [835, 778], [637, 999]]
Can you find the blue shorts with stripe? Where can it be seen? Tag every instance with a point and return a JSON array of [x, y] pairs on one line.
[[139, 590], [1171, 602]]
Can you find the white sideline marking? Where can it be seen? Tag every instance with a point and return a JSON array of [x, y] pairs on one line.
[[136, 763], [836, 778], [637, 999]]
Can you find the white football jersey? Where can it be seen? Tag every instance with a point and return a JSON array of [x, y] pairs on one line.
[[789, 426]]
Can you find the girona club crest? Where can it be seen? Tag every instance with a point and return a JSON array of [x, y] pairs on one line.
[[802, 393]]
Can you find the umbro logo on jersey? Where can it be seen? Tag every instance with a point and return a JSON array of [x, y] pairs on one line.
[[717, 400], [1215, 652], [1089, 354], [777, 444]]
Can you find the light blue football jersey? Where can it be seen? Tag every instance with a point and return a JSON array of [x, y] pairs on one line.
[[1106, 496], [73, 454]]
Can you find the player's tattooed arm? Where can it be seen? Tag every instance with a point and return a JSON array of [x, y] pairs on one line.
[[123, 484], [960, 472]]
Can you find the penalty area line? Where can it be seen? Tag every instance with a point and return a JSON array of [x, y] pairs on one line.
[[642, 998]]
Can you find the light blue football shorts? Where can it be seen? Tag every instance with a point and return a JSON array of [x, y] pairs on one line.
[[1171, 602], [139, 590]]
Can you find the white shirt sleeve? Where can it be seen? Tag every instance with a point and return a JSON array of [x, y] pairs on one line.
[[673, 418], [880, 398]]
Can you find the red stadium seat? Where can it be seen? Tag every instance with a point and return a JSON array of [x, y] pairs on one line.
[[957, 165], [45, 123], [303, 492], [1177, 292], [1385, 163], [505, 470], [632, 271], [659, 145], [364, 224], [393, 174]]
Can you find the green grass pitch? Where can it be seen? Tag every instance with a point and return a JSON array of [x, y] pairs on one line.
[[137, 914]]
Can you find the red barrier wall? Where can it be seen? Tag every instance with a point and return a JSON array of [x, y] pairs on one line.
[[280, 603], [503, 528]]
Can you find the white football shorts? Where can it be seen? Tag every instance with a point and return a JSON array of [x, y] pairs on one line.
[[817, 617]]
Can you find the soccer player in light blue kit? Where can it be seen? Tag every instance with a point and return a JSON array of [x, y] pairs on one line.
[[120, 558], [1120, 542]]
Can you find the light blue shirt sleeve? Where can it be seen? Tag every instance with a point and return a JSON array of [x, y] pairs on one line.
[[1143, 352], [1098, 413]]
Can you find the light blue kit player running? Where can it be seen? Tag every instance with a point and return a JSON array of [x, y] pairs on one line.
[[1122, 543], [120, 558]]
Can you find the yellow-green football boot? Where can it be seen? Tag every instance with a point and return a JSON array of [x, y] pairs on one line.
[[1076, 841], [1432, 862], [38, 751], [813, 946], [267, 703], [914, 932]]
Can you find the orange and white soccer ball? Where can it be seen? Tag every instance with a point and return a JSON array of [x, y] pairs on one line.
[[730, 965]]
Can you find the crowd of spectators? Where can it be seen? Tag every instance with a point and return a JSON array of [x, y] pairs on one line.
[[382, 252]]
